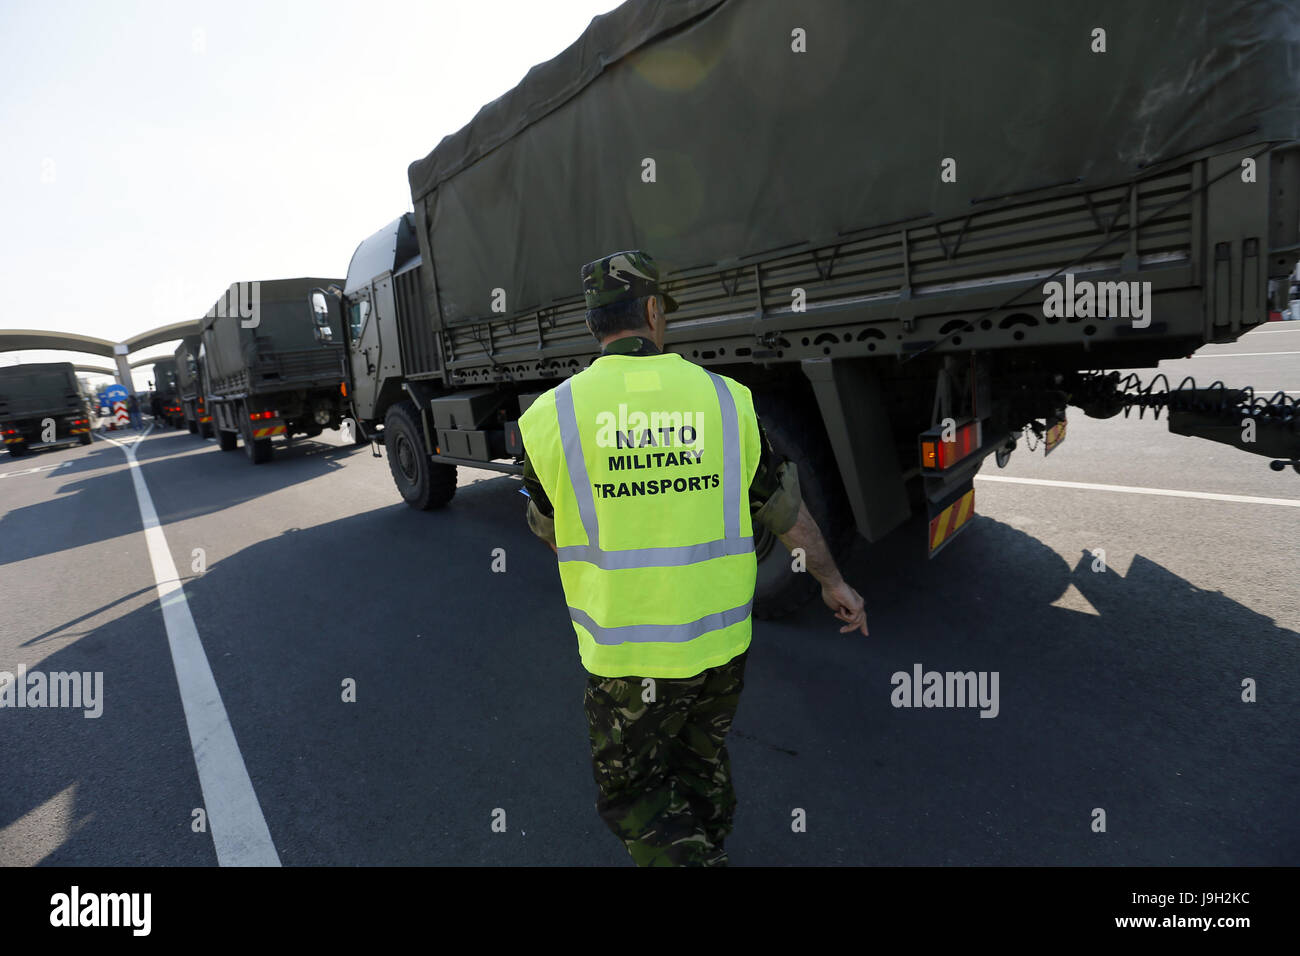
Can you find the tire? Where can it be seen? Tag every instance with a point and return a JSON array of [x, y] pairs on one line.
[[193, 426], [84, 439], [205, 430], [17, 450], [423, 484], [780, 590], [227, 441], [258, 450]]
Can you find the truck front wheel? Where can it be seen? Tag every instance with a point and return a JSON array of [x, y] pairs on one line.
[[424, 484]]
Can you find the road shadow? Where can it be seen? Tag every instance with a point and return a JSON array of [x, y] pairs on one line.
[[468, 701], [106, 505]]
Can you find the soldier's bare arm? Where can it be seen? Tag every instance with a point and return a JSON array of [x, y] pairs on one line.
[[839, 596]]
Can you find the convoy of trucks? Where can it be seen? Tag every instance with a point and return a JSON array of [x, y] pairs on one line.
[[41, 406], [910, 267]]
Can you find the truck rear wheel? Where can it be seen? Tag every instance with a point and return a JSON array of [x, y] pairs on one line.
[[227, 441], [424, 484], [192, 425], [17, 450], [780, 590], [84, 439]]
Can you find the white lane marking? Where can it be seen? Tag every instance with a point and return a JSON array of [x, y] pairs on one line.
[[34, 470], [1130, 490], [239, 832], [1240, 354], [1273, 331]]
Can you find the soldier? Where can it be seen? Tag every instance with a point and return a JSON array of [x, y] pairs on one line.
[[646, 474]]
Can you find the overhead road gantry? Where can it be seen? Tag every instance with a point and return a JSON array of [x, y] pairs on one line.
[[16, 340]]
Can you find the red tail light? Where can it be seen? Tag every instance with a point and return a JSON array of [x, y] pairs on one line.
[[937, 454]]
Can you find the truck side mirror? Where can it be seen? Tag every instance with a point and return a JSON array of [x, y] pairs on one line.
[[321, 311]]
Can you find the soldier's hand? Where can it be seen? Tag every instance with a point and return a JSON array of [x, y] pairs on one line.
[[847, 605]]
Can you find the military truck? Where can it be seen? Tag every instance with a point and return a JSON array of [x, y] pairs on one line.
[[165, 399], [268, 368], [194, 411], [41, 406], [913, 260]]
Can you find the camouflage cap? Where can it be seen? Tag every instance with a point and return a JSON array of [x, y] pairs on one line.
[[621, 276]]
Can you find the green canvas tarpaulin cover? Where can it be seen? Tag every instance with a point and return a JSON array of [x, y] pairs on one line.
[[757, 147], [38, 387], [284, 323]]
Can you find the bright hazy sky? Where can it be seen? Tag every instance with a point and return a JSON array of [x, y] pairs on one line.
[[152, 153]]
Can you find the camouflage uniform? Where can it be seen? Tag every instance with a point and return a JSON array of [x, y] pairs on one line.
[[662, 766]]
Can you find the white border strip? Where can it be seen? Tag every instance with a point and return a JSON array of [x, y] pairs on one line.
[[1131, 490], [239, 832], [1240, 354]]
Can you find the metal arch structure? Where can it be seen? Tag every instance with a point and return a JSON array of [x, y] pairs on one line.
[[164, 333], [15, 340]]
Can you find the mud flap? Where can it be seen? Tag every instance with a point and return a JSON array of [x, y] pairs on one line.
[[951, 516]]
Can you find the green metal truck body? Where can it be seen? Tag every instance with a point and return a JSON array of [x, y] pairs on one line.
[[868, 214], [189, 377], [41, 405], [165, 397], [266, 369]]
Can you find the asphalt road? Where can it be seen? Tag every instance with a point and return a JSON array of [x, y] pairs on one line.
[[1119, 689]]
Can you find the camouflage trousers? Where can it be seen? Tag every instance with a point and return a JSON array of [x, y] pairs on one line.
[[662, 765]]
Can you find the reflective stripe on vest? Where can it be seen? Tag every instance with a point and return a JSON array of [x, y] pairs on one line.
[[667, 633], [592, 553]]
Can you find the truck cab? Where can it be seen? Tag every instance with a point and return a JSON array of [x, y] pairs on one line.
[[381, 297]]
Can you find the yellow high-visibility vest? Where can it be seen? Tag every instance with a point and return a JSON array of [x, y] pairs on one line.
[[647, 461]]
